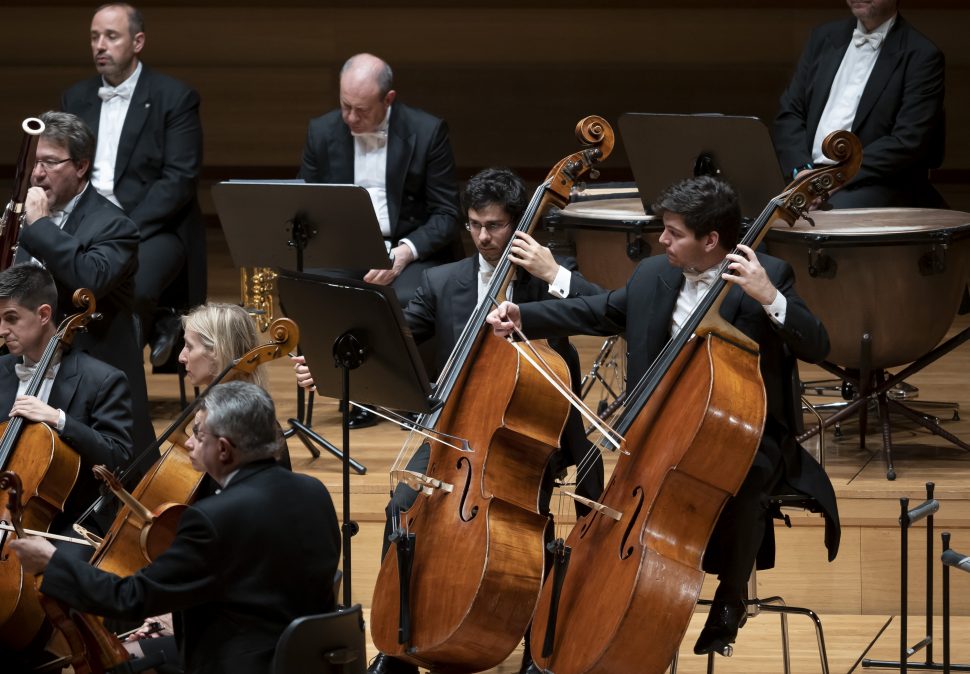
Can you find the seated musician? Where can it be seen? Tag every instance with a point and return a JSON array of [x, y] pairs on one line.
[[215, 335], [445, 299], [244, 563], [701, 224], [86, 401]]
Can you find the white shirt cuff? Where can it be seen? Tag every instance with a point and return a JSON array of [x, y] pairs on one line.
[[560, 285], [777, 309], [414, 251], [61, 421]]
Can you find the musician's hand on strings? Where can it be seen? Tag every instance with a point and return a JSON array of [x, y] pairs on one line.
[[303, 377], [36, 205], [401, 257], [33, 409], [747, 272], [506, 319], [532, 256], [34, 553]]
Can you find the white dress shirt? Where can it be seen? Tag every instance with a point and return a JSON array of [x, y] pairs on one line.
[[558, 288], [44, 394], [848, 85], [696, 285], [114, 109]]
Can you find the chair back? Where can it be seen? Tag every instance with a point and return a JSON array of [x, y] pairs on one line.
[[330, 643]]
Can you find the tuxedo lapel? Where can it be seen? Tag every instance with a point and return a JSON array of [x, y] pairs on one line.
[[666, 290], [8, 385], [889, 57], [830, 58], [465, 295], [400, 147], [90, 105], [340, 149], [138, 111], [65, 383]]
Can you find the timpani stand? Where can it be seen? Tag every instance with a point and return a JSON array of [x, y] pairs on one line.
[[887, 284]]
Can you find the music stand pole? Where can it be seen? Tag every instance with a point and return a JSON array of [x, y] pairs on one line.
[[301, 233], [349, 352]]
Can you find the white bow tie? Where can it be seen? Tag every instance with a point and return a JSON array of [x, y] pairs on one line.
[[26, 372], [701, 278], [107, 93], [874, 39]]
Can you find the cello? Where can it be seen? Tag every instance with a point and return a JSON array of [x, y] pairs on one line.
[[694, 423], [47, 469], [456, 590]]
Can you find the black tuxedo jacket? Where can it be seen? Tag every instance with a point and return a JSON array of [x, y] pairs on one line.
[[642, 310], [900, 119], [244, 564], [422, 192], [448, 295], [97, 405], [158, 161], [97, 250]]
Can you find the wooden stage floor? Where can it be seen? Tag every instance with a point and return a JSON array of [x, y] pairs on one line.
[[857, 595]]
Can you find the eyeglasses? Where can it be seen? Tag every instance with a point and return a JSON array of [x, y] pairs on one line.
[[490, 227], [51, 164]]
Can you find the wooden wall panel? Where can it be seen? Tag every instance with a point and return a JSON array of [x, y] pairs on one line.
[[510, 78]]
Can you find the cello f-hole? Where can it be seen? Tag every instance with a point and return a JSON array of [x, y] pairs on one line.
[[625, 549], [465, 517]]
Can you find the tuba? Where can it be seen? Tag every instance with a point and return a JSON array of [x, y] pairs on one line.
[[257, 286], [13, 215]]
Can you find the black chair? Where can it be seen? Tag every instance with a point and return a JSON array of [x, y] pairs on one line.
[[330, 643]]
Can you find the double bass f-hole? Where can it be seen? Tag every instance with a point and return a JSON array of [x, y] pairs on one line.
[[463, 462], [625, 548]]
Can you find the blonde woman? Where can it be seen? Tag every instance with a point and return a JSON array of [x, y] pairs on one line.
[[215, 335]]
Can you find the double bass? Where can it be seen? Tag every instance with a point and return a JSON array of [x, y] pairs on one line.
[[456, 590], [692, 426]]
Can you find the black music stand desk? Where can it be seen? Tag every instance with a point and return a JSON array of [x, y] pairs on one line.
[[292, 225], [665, 149], [356, 326]]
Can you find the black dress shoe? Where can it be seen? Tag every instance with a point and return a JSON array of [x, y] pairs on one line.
[[385, 664], [721, 628], [168, 329], [360, 418]]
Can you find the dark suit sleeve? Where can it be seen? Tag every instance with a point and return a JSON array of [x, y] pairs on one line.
[[98, 267], [910, 143], [603, 314], [185, 575], [803, 333], [793, 139], [441, 197], [313, 166], [107, 440], [420, 313], [182, 160]]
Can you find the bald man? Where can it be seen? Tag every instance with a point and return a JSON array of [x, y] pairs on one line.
[[403, 158]]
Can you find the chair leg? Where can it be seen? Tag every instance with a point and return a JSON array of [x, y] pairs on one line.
[[819, 635]]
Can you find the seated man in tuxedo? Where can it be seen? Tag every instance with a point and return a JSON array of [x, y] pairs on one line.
[[875, 75], [402, 156], [84, 401], [85, 241], [702, 220], [495, 201], [246, 561], [149, 154]]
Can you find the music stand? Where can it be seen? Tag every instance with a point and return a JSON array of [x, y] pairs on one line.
[[665, 149], [291, 225], [356, 326]]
